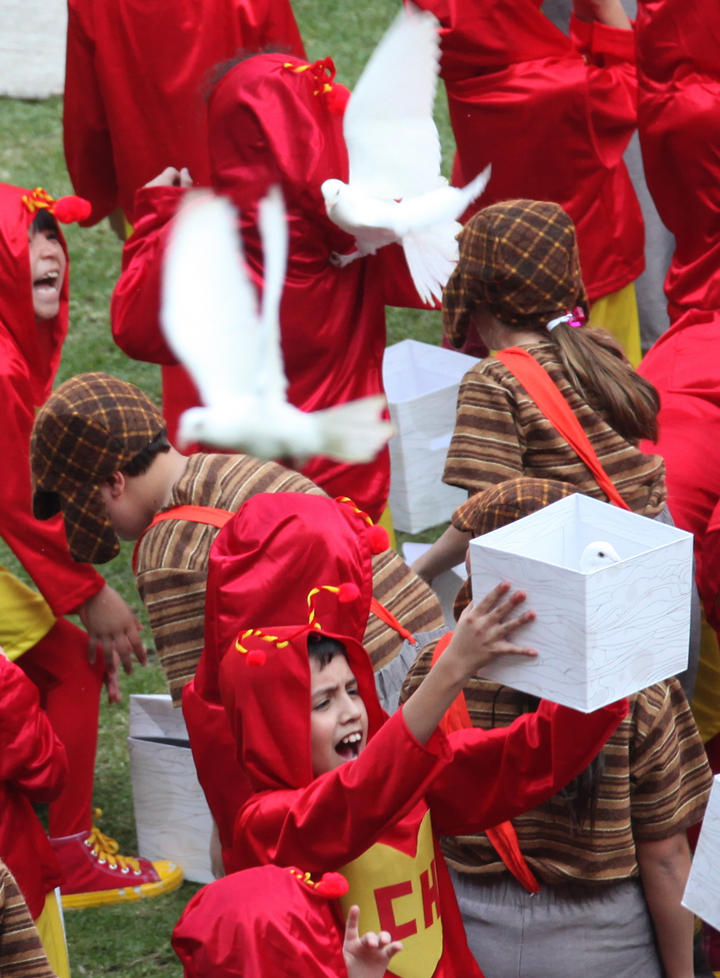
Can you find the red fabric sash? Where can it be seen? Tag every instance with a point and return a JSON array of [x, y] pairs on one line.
[[543, 390], [502, 837], [195, 514]]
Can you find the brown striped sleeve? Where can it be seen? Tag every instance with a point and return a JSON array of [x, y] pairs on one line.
[[21, 952], [668, 764]]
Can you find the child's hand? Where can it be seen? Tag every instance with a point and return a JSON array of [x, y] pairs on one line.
[[366, 956], [484, 628]]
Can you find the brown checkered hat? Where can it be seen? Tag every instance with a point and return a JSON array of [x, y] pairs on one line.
[[520, 259], [92, 426], [499, 505]]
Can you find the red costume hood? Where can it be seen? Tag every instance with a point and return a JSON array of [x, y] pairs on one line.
[[39, 345], [276, 118], [288, 564]]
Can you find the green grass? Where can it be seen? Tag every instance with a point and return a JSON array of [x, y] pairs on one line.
[[133, 941]]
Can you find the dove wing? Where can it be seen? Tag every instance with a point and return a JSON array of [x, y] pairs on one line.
[[272, 220], [209, 306], [391, 137]]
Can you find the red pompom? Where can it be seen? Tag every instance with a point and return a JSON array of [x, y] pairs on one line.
[[337, 98], [256, 657], [378, 539], [348, 592], [69, 209], [332, 885]]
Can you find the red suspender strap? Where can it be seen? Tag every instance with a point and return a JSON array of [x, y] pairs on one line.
[[543, 390], [502, 837], [195, 514], [381, 612]]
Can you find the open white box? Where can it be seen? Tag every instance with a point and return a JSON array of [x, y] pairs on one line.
[[603, 634], [421, 382], [171, 815], [702, 892]]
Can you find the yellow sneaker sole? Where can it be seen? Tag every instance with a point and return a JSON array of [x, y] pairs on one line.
[[171, 876]]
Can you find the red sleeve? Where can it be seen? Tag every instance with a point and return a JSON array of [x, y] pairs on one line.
[[612, 86], [135, 304], [497, 774], [86, 135], [41, 547], [31, 756], [340, 814]]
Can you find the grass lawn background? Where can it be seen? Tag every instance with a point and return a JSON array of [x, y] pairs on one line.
[[133, 940]]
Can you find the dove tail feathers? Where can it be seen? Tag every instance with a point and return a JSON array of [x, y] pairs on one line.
[[354, 432], [431, 255]]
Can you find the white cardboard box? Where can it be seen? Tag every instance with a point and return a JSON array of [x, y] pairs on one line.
[[603, 634], [421, 382], [702, 892], [172, 817], [445, 585]]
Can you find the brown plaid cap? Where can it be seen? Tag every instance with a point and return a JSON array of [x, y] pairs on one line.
[[92, 426], [520, 259], [499, 505]]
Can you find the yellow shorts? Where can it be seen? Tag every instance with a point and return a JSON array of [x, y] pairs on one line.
[[618, 314], [25, 616], [706, 699]]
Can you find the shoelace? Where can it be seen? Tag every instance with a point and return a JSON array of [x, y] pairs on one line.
[[105, 849]]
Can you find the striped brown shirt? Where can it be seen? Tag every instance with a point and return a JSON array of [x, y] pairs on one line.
[[172, 566], [655, 783], [501, 434], [21, 952]]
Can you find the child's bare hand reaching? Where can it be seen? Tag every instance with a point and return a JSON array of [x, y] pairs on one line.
[[483, 632], [367, 956]]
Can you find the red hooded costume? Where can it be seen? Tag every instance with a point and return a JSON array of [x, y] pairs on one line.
[[32, 769], [134, 102], [274, 119], [553, 115], [373, 819], [678, 47], [29, 357]]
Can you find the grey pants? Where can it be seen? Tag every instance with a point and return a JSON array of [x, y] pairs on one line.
[[560, 932]]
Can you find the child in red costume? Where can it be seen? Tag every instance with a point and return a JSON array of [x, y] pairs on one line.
[[553, 114], [339, 786], [135, 103], [679, 125], [275, 119], [60, 658]]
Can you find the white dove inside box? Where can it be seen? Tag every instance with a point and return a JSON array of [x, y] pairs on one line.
[[171, 815], [602, 632], [421, 382], [702, 892]]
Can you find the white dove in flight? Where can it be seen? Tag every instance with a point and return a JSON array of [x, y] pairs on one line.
[[598, 554], [395, 190], [211, 321]]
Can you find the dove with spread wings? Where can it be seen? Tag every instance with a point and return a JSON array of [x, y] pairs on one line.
[[395, 191], [232, 350]]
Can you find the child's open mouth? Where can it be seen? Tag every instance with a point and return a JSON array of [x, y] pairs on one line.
[[47, 283], [349, 747]]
